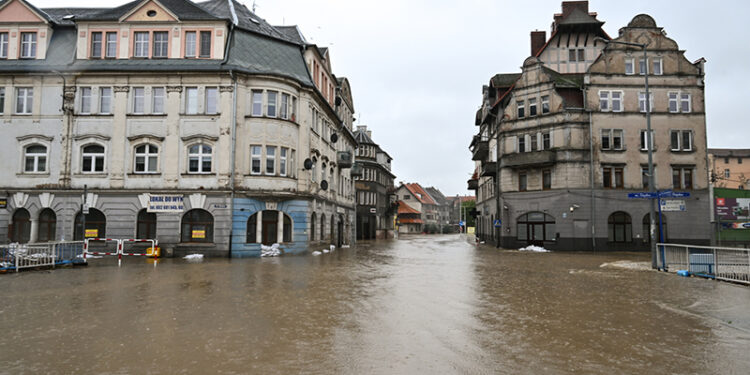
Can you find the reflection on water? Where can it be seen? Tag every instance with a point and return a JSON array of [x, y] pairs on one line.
[[420, 305]]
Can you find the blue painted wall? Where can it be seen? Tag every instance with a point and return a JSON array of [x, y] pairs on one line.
[[298, 210]]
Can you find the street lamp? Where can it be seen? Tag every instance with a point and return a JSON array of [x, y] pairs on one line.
[[649, 145]]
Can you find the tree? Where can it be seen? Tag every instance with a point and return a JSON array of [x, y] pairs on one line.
[[467, 207]]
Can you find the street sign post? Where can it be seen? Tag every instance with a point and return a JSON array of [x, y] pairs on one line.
[[664, 205], [498, 223]]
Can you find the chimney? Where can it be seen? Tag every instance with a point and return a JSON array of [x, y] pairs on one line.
[[538, 38], [568, 6], [361, 128]]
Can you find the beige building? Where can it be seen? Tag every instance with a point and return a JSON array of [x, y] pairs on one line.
[[730, 168]]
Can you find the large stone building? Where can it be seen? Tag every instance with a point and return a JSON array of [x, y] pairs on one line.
[[561, 144], [198, 124], [374, 188]]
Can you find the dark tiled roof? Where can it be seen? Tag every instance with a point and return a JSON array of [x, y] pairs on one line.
[[436, 195], [565, 80], [729, 152], [579, 17], [61, 52], [245, 18], [292, 33], [58, 14], [362, 138], [504, 79], [185, 10]]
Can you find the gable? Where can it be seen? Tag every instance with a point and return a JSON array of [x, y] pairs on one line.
[[150, 11], [17, 11]]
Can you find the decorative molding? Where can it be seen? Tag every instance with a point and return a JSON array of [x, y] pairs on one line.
[[191, 138], [87, 136], [144, 198], [34, 136], [174, 88], [226, 88], [121, 88], [45, 199], [20, 199], [148, 136], [197, 200], [91, 199]]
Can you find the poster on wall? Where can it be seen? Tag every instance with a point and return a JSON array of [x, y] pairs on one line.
[[165, 203], [92, 233], [198, 234], [733, 209], [3, 202]]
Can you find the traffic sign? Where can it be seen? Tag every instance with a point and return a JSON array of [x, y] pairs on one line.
[[673, 205], [661, 194], [461, 223], [498, 223], [643, 195]]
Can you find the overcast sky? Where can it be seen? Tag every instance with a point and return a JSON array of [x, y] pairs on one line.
[[417, 67]]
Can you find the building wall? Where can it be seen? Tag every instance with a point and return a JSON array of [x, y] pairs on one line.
[[731, 172]]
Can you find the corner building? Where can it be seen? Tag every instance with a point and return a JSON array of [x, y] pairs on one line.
[[197, 124]]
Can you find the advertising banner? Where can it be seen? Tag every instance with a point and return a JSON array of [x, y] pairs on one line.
[[92, 233], [165, 203], [733, 208], [200, 234]]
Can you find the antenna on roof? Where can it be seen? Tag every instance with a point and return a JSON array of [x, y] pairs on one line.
[[254, 6]]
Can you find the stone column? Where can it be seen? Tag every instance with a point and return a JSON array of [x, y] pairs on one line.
[[34, 235], [259, 228], [280, 228]]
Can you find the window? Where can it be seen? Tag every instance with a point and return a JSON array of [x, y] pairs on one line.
[[47, 225], [157, 98], [140, 47], [212, 99], [679, 102], [146, 159], [145, 225], [258, 103], [139, 98], [682, 177], [685, 106], [576, 54], [85, 100], [522, 181], [205, 51], [657, 66], [644, 176], [24, 100], [546, 179], [726, 160], [283, 153], [642, 66], [191, 100], [546, 141], [161, 44], [521, 143], [28, 45], [612, 139], [673, 102], [610, 101], [520, 106], [271, 104], [312, 227], [199, 158], [20, 229], [532, 107], [255, 159], [270, 160], [642, 101], [197, 226], [620, 227], [322, 227], [105, 100], [533, 142], [92, 159], [2, 100], [681, 140], [545, 104], [111, 47], [35, 159], [284, 110], [629, 66], [616, 101], [4, 45], [293, 110], [190, 44], [727, 173], [739, 160], [96, 45], [322, 172], [644, 140], [96, 222], [612, 177]]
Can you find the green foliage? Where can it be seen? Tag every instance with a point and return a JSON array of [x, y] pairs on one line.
[[466, 207]]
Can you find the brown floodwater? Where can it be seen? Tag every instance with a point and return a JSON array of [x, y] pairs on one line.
[[421, 305]]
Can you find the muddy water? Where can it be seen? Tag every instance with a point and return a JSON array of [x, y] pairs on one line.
[[423, 305]]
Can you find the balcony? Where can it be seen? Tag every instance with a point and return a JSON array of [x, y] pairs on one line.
[[489, 169], [473, 184], [481, 149], [357, 170], [344, 159], [528, 159]]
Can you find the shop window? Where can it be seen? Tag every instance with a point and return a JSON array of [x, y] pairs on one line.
[[197, 226], [96, 225], [21, 227], [47, 225], [619, 227], [146, 225]]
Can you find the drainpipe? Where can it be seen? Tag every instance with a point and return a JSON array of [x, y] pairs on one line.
[[233, 152], [592, 215], [65, 173]]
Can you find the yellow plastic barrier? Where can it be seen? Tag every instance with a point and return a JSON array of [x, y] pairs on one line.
[[153, 254]]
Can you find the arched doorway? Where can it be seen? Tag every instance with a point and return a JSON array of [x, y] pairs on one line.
[[341, 232], [535, 228], [47, 225], [619, 227], [269, 228], [20, 231], [96, 225], [146, 225], [197, 226], [322, 227], [312, 226], [333, 228]]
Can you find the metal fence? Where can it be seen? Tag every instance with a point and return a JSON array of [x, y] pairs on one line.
[[722, 263], [18, 256]]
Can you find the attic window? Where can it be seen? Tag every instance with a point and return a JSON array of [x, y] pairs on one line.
[[151, 13], [253, 20]]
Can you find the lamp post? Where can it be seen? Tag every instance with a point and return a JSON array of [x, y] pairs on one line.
[[649, 145]]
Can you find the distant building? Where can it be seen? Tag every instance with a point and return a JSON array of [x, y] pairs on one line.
[[374, 186], [443, 207], [730, 168], [420, 209]]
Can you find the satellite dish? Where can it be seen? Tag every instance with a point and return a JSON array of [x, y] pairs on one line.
[[308, 164], [334, 137], [324, 185]]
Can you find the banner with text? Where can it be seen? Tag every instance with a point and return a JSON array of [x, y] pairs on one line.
[[165, 203]]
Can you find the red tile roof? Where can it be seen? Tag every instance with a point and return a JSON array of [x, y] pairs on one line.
[[420, 193], [410, 221], [404, 208]]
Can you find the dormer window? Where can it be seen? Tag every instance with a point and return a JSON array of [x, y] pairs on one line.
[[4, 45], [28, 45], [197, 44], [96, 45], [205, 51], [140, 48], [190, 44]]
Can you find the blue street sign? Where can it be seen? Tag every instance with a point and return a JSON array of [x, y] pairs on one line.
[[643, 195], [498, 223], [679, 195], [661, 194], [461, 223]]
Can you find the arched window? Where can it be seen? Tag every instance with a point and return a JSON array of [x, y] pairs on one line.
[[312, 227], [620, 227], [252, 228], [146, 159], [35, 159], [647, 228], [146, 225], [92, 159], [323, 227], [269, 228], [96, 224], [287, 228], [197, 226], [535, 227], [21, 230], [47, 225], [199, 158]]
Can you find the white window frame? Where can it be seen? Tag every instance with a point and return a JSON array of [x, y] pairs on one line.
[[212, 100], [642, 101], [4, 38], [191, 100], [686, 98], [270, 161], [643, 141], [93, 156], [191, 45], [141, 45], [28, 47], [532, 104], [545, 104], [283, 154], [727, 173], [657, 66], [110, 46], [162, 46], [681, 140], [201, 156], [148, 155], [642, 65], [97, 44], [607, 100], [272, 103], [24, 100], [39, 159], [673, 98], [86, 100], [139, 100], [256, 103], [629, 66], [256, 154], [158, 100], [521, 109], [284, 110], [105, 101]]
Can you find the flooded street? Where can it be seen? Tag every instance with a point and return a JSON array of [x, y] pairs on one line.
[[422, 305]]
